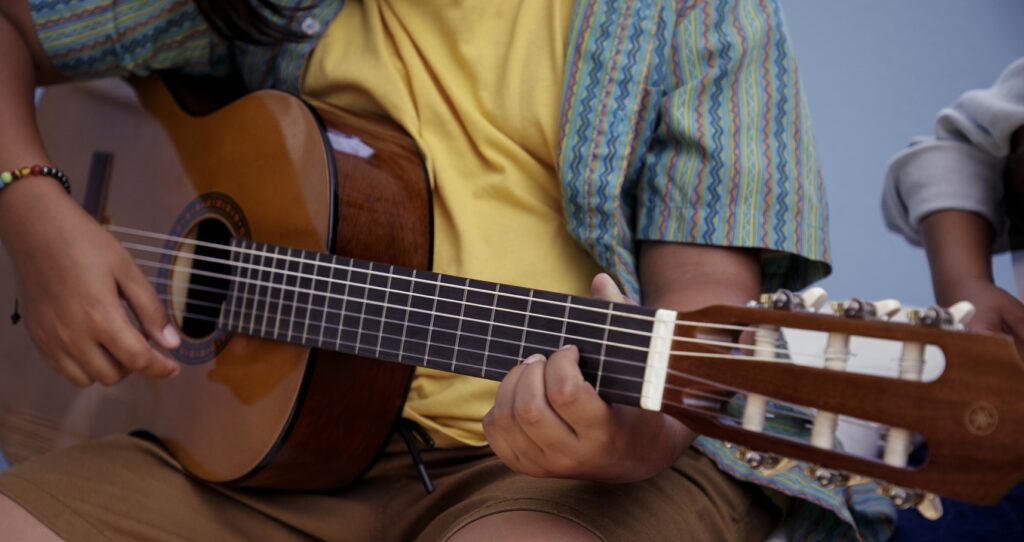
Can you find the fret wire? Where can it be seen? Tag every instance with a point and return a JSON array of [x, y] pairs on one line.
[[604, 350], [526, 325], [405, 323], [309, 299], [565, 322], [362, 309], [430, 325], [259, 278], [266, 298], [323, 321], [236, 283], [637, 316], [232, 290], [387, 295], [248, 274], [280, 302], [344, 304], [270, 295], [490, 331], [489, 322], [458, 330], [294, 304]]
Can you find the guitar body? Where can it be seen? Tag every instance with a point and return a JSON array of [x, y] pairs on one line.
[[243, 411]]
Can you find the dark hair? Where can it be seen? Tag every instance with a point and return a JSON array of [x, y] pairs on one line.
[[261, 22]]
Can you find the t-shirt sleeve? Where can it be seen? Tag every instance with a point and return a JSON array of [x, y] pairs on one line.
[[98, 38]]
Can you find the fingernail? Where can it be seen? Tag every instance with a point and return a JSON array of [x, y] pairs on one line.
[[171, 336], [533, 359], [567, 347]]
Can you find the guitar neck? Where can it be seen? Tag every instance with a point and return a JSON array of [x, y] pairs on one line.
[[425, 319]]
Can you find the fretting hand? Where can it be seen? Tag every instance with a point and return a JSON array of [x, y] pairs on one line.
[[548, 421]]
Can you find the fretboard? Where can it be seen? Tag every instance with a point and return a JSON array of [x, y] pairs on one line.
[[443, 322]]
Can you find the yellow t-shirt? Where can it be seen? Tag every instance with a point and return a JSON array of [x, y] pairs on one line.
[[477, 83]]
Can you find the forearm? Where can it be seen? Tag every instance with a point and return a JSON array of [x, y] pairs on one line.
[[22, 65], [684, 277], [959, 247]]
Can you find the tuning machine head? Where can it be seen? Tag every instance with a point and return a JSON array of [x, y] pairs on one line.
[[767, 463], [829, 478], [954, 317], [928, 505], [811, 299], [867, 310]]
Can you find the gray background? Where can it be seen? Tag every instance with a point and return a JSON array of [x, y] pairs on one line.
[[875, 73]]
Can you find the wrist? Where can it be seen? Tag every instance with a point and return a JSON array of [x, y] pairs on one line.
[[26, 200], [959, 250]]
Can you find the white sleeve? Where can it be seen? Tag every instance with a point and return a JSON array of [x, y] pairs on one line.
[[962, 166]]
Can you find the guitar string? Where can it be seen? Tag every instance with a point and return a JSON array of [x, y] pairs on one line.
[[262, 268], [383, 320], [241, 249], [450, 362], [715, 416], [688, 393], [792, 354], [383, 305], [386, 306], [311, 292], [890, 364]]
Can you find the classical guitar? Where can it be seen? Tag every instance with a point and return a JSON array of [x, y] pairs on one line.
[[291, 244]]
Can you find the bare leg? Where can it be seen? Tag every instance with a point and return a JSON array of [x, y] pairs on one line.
[[20, 525], [523, 525]]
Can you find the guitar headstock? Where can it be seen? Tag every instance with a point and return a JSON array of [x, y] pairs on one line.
[[915, 379]]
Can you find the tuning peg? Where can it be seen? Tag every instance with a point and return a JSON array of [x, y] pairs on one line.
[[810, 300], [962, 312], [768, 464], [887, 308], [814, 298], [930, 507], [869, 310], [928, 504], [829, 478], [956, 316]]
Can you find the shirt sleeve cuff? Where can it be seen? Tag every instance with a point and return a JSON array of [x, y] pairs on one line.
[[943, 175]]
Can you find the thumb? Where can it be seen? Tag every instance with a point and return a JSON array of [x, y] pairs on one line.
[[148, 309], [603, 287]]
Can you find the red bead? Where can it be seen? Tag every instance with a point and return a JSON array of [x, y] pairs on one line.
[[37, 169]]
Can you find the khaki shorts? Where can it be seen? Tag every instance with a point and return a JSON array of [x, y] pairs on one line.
[[127, 488]]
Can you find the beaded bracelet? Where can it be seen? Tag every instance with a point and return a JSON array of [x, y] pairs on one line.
[[9, 177]]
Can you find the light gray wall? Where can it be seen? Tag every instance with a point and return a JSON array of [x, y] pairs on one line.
[[875, 74]]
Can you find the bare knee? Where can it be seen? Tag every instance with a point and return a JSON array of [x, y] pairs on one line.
[[523, 525], [20, 525]]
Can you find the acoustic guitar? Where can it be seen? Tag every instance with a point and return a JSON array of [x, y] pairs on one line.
[[292, 245]]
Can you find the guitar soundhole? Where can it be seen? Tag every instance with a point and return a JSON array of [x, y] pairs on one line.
[[208, 281]]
